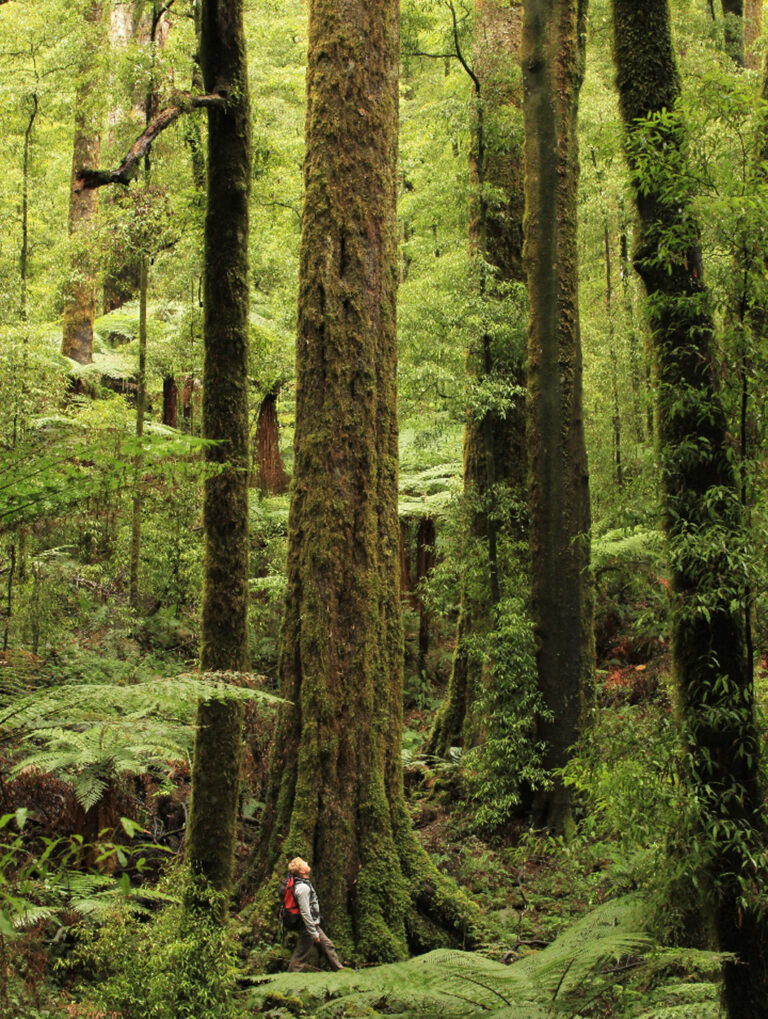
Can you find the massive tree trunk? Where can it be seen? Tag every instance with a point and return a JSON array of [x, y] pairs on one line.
[[702, 512], [80, 295], [495, 463], [338, 798], [553, 63], [216, 772]]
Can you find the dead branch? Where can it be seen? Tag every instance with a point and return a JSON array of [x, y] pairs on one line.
[[125, 173]]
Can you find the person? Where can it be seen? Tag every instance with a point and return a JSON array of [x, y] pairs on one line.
[[310, 934]]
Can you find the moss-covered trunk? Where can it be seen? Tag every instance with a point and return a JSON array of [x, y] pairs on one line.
[[753, 29], [216, 771], [80, 296], [702, 512], [138, 460], [495, 462], [553, 62], [338, 796]]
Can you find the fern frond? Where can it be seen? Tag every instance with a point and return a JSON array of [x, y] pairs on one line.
[[31, 915], [89, 789], [90, 733], [460, 985]]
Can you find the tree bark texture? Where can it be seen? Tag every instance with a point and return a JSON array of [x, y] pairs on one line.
[[268, 471], [338, 797], [702, 512], [562, 604], [215, 778], [170, 402], [753, 29], [495, 460], [80, 295], [138, 460]]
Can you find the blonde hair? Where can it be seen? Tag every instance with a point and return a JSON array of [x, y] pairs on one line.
[[297, 865]]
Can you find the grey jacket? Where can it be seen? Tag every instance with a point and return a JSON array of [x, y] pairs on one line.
[[309, 907]]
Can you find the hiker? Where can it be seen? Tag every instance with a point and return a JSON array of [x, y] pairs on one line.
[[310, 934]]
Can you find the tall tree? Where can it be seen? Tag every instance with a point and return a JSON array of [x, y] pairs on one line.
[[337, 797], [218, 743], [495, 463], [80, 296], [713, 669], [553, 65]]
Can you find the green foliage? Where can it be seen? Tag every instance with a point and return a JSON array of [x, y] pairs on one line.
[[508, 757], [457, 984], [92, 733], [624, 777], [178, 965], [631, 583]]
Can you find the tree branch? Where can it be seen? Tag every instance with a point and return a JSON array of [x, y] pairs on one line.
[[124, 174], [457, 44]]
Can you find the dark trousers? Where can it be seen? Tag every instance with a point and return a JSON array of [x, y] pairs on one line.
[[304, 947]]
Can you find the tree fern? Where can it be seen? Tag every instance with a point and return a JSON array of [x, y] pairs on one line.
[[458, 985], [90, 733]]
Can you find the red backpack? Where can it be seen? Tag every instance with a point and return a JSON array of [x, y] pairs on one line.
[[290, 914]]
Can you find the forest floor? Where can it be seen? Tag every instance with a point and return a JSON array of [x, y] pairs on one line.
[[532, 887]]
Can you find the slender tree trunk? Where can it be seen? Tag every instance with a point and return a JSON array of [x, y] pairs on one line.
[[495, 461], [703, 515], [24, 252], [19, 418], [138, 460], [553, 63], [337, 797], [170, 402], [268, 471], [640, 421], [616, 417], [753, 29], [192, 133], [425, 561], [80, 296], [218, 743]]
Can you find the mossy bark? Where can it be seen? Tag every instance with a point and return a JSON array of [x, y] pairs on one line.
[[702, 516], [562, 603], [753, 29], [80, 295], [495, 461], [218, 743], [337, 798], [138, 460]]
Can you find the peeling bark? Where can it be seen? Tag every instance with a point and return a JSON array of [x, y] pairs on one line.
[[268, 471]]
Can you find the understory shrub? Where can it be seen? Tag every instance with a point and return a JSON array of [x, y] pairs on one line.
[[509, 756], [176, 965]]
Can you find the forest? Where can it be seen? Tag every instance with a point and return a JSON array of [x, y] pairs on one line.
[[383, 492]]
